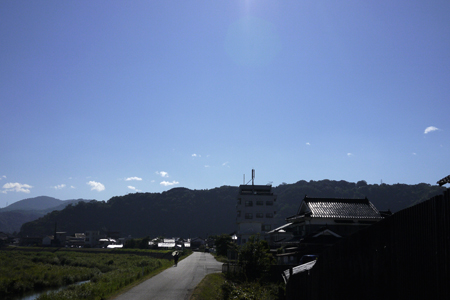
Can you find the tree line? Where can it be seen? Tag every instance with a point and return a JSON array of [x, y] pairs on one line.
[[182, 212]]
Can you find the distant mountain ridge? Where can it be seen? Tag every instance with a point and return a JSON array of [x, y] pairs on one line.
[[39, 203], [13, 216], [189, 213]]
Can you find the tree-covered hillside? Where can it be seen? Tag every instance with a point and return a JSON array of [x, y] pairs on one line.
[[177, 212], [189, 213], [13, 216], [36, 203]]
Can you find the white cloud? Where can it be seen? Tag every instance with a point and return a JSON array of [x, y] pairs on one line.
[[194, 155], [308, 144], [16, 187], [225, 164], [97, 186], [163, 174], [349, 154], [206, 166], [133, 178], [430, 129], [166, 183], [2, 177], [59, 186], [414, 153], [133, 188], [72, 187]]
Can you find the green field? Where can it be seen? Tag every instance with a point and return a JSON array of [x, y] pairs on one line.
[[26, 270]]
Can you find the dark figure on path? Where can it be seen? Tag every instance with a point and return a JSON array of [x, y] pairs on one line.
[[176, 256]]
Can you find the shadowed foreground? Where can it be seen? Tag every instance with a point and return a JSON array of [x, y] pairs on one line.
[[176, 282]]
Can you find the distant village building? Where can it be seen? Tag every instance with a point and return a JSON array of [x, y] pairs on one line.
[[255, 211], [170, 243], [78, 240], [30, 241], [47, 240], [320, 222], [197, 243], [105, 242], [4, 238], [92, 238], [166, 243], [50, 240]]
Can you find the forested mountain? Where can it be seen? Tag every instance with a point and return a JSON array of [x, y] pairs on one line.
[[13, 216], [11, 221], [36, 203], [41, 203], [189, 213]]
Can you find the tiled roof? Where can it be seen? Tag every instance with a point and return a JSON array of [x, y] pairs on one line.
[[444, 180], [341, 208]]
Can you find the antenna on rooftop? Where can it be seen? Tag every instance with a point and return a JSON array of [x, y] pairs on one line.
[[253, 178]]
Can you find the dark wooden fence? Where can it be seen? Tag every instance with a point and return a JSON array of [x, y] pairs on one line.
[[405, 256]]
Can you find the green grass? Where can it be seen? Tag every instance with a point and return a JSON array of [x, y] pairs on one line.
[[222, 259], [108, 272], [209, 288], [218, 286]]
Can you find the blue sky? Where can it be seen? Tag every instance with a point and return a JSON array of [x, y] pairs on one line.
[[105, 98]]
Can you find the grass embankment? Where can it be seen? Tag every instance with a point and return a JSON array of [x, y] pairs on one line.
[[107, 272], [209, 288], [218, 286]]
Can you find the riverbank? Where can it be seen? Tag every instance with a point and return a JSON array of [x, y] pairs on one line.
[[24, 270]]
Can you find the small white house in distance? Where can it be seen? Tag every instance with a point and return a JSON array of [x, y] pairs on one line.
[[114, 246], [167, 243], [103, 243]]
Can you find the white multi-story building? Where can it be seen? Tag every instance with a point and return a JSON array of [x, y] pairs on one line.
[[255, 211]]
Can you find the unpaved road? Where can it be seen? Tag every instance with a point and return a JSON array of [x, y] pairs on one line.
[[175, 283]]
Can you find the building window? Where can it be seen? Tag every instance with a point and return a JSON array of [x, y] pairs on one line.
[[259, 202], [259, 215], [238, 213], [266, 227], [248, 203], [269, 215], [249, 216], [269, 202]]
